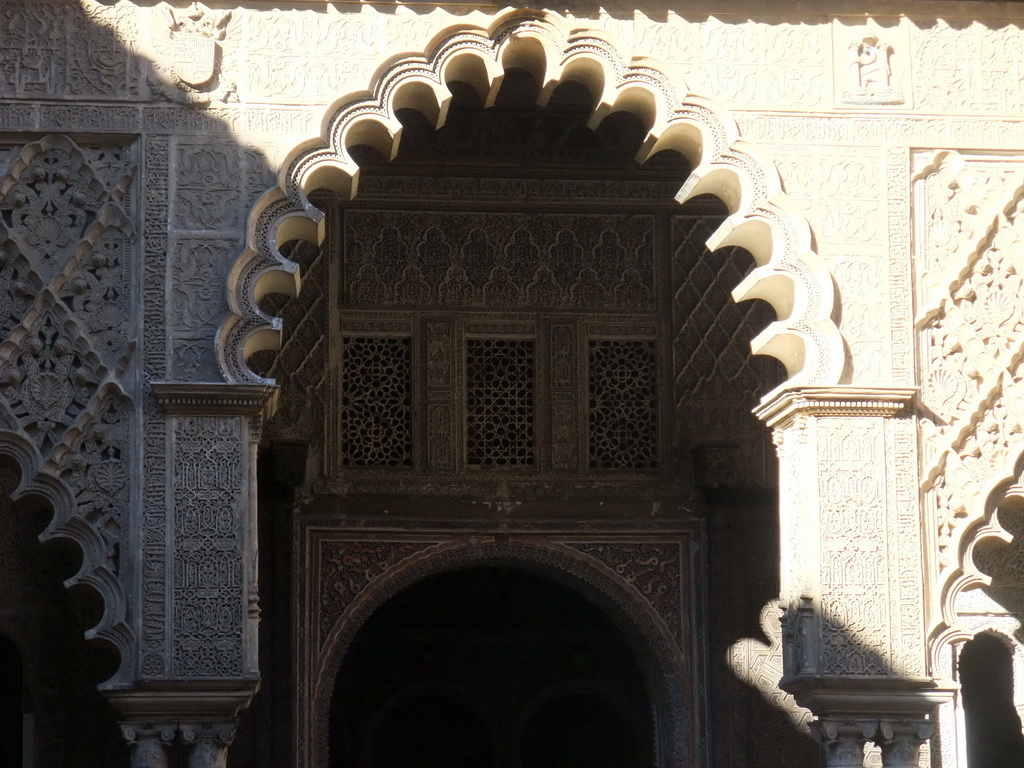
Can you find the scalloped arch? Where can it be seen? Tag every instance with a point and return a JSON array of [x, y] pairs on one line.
[[980, 524], [37, 480], [789, 274]]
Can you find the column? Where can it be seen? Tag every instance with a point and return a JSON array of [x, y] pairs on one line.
[[203, 638]]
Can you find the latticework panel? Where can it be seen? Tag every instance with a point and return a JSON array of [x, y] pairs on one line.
[[375, 402], [623, 405], [499, 402]]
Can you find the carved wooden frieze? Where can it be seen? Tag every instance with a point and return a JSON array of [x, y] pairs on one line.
[[449, 259]]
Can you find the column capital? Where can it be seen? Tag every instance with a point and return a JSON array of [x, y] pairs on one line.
[[209, 743], [786, 405], [901, 741], [148, 741], [842, 741]]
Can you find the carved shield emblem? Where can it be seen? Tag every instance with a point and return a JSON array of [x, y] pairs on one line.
[[195, 58]]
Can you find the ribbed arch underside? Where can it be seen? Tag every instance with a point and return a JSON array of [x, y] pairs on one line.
[[788, 273]]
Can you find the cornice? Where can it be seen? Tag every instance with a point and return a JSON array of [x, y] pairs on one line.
[[214, 399], [844, 400], [853, 696]]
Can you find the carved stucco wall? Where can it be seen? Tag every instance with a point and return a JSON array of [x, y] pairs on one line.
[[908, 177], [967, 227]]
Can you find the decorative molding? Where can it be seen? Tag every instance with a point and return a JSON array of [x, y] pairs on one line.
[[213, 399], [784, 407]]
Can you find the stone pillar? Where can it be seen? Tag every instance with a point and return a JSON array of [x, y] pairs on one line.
[[852, 579], [205, 649], [148, 743]]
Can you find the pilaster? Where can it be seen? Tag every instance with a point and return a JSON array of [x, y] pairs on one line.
[[209, 669], [851, 584]]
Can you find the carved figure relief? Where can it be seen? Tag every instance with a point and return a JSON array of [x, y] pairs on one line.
[[870, 73], [871, 61]]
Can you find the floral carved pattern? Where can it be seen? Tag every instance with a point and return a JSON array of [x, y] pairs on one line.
[[98, 286], [47, 204], [18, 286], [653, 569], [50, 373], [970, 235], [348, 567], [97, 466]]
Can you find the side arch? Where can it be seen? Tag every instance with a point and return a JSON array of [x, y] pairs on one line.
[[788, 273], [981, 524], [663, 663], [38, 482]]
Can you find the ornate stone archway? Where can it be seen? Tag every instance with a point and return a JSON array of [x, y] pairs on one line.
[[789, 274], [644, 587], [831, 437]]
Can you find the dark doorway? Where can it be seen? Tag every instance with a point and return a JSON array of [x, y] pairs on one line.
[[993, 727], [578, 731], [11, 703], [490, 667]]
